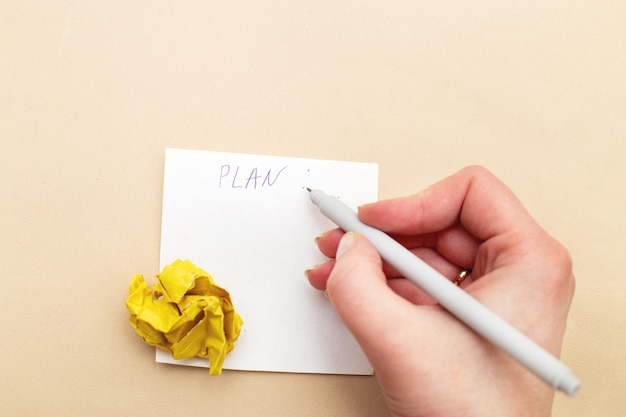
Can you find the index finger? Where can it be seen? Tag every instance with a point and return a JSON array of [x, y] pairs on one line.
[[473, 197]]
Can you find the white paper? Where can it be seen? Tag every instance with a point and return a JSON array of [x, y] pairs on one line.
[[248, 221]]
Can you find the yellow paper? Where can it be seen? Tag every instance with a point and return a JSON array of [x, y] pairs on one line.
[[185, 313]]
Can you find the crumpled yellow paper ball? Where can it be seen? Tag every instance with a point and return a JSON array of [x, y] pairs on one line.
[[185, 313]]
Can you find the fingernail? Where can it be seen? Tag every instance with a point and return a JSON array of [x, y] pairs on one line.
[[346, 243], [320, 236], [308, 271]]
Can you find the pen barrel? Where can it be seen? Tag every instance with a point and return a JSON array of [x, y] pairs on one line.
[[452, 298]]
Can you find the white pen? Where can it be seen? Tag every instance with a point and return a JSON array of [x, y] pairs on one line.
[[452, 298]]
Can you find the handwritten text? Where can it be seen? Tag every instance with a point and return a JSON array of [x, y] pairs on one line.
[[254, 178]]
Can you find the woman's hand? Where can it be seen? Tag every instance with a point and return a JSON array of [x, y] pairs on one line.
[[427, 362]]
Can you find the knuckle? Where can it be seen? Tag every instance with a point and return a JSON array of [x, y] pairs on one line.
[[561, 265]]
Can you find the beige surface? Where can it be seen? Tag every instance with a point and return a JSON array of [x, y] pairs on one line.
[[91, 94]]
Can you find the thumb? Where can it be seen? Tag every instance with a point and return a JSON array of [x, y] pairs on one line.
[[357, 288]]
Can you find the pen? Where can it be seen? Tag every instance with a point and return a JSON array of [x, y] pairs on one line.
[[452, 298]]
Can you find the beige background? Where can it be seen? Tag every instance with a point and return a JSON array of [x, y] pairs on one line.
[[92, 92]]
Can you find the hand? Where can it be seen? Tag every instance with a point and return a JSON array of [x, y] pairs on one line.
[[427, 362]]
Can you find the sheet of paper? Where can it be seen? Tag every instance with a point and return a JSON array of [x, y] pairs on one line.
[[248, 221]]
